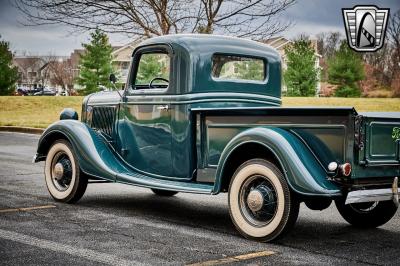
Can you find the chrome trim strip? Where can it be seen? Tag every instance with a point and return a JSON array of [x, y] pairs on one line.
[[196, 97]]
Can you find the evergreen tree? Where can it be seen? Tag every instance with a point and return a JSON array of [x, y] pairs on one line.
[[345, 69], [8, 73], [301, 76], [95, 64]]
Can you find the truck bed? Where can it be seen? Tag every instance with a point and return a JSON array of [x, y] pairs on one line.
[[332, 134]]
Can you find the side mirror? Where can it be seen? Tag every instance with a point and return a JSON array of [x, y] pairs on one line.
[[113, 78]]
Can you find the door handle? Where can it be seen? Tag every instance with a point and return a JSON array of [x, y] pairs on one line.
[[163, 107]]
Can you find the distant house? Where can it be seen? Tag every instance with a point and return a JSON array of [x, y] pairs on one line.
[[37, 71], [75, 57], [122, 58], [29, 70]]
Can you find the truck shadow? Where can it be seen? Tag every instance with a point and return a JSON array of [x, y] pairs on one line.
[[208, 214], [339, 239], [320, 232]]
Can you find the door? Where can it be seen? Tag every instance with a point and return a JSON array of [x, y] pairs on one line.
[[145, 122]]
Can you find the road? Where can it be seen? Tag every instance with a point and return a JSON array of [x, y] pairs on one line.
[[117, 224]]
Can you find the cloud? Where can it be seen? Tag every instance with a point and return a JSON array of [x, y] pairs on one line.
[[314, 16], [312, 30]]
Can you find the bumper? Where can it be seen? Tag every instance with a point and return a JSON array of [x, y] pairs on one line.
[[38, 158], [34, 159], [371, 195]]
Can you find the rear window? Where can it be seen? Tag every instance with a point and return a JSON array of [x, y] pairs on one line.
[[238, 67]]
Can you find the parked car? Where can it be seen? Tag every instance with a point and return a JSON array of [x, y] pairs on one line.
[[22, 91], [33, 90], [45, 92], [211, 121]]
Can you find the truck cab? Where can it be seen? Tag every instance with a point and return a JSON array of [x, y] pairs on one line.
[[202, 114]]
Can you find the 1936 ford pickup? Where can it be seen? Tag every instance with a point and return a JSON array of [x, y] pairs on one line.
[[201, 114]]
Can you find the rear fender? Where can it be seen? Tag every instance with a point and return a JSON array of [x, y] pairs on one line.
[[95, 157], [302, 171]]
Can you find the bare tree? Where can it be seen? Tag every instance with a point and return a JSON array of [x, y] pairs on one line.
[[61, 72], [146, 18], [393, 32], [380, 61], [327, 43]]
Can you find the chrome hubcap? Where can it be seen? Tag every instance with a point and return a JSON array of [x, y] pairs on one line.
[[255, 200], [58, 171], [258, 200], [61, 171]]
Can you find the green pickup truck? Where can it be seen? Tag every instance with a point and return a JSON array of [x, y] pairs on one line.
[[201, 114]]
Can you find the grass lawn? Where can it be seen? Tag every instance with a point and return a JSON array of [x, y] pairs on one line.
[[35, 111], [361, 104], [40, 111]]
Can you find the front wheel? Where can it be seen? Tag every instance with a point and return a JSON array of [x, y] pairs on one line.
[[366, 214], [64, 179], [261, 204]]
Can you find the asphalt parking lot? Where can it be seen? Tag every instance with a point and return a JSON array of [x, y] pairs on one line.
[[117, 224]]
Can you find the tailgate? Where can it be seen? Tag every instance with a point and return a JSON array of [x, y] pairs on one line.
[[382, 138]]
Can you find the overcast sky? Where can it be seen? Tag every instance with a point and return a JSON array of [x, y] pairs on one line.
[[308, 16]]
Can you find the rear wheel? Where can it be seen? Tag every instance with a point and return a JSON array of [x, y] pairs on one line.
[[164, 193], [366, 214], [261, 204], [64, 179]]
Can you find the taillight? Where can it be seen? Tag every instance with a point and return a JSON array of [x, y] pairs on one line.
[[345, 169]]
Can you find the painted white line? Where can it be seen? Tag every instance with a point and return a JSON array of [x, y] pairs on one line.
[[24, 209], [67, 249], [234, 259]]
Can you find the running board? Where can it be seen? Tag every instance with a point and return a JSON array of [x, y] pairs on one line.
[[140, 180], [370, 195]]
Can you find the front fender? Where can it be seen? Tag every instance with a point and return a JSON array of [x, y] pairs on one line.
[[302, 171], [95, 157]]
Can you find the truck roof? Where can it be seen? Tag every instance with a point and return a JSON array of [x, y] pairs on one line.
[[206, 43], [195, 52]]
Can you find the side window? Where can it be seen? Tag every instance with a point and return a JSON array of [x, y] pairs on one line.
[[238, 67], [153, 71]]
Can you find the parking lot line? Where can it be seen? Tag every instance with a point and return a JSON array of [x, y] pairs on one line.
[[66, 249], [235, 258], [27, 208]]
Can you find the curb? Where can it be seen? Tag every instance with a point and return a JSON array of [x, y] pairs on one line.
[[30, 130]]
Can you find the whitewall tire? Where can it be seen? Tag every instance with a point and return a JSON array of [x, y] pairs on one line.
[[261, 204], [64, 179]]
